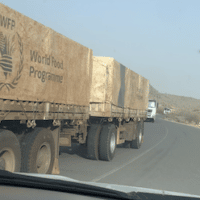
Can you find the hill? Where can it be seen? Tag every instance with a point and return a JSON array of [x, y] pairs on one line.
[[185, 109], [174, 101]]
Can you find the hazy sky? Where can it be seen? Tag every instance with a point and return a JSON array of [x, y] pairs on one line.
[[158, 39]]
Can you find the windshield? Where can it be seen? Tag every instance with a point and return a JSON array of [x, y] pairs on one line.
[[76, 78], [152, 105]]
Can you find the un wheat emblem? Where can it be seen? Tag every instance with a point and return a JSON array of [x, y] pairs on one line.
[[7, 48]]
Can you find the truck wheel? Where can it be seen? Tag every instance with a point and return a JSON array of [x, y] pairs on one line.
[[93, 141], [38, 151], [136, 144], [10, 154], [107, 142]]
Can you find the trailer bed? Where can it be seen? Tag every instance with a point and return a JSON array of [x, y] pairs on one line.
[[29, 110], [109, 110]]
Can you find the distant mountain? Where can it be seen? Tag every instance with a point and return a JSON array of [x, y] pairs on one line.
[[174, 101]]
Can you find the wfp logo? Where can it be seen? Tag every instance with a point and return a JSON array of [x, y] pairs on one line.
[[6, 50], [11, 49]]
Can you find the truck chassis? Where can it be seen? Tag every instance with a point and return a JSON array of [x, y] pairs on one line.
[[32, 132]]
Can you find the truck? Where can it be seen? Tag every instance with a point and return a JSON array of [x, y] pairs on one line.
[[151, 112], [54, 92]]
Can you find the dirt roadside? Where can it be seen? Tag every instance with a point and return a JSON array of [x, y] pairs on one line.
[[188, 124]]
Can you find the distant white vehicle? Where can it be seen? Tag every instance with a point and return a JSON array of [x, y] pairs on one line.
[[151, 111], [167, 110]]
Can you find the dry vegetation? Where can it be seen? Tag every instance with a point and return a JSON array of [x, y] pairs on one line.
[[184, 109]]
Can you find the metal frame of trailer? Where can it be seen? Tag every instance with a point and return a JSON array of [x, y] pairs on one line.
[[20, 118], [69, 123]]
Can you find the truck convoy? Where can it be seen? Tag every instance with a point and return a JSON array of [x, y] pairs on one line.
[[54, 92]]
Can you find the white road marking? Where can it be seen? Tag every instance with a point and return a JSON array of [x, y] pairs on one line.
[[124, 165]]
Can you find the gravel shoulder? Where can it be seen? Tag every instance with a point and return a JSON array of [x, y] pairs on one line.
[[187, 124]]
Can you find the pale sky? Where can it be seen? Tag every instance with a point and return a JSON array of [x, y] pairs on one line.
[[155, 38]]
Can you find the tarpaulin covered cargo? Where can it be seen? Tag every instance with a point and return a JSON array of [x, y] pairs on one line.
[[113, 83], [39, 64]]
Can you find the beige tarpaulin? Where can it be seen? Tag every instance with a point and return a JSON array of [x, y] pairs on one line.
[[114, 83], [39, 64]]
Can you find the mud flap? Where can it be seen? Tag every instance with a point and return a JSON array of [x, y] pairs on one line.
[[56, 169]]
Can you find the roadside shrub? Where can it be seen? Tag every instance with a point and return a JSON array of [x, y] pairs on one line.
[[172, 116], [160, 110], [184, 116], [192, 117]]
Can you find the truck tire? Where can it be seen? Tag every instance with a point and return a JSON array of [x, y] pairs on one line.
[[127, 144], [136, 144], [93, 141], [38, 151], [107, 142], [10, 153]]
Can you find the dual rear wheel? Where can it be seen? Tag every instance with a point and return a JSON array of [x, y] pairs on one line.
[[137, 142], [35, 154], [101, 142], [38, 151]]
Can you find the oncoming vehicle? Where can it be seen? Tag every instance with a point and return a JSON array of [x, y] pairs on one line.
[[167, 110], [151, 111]]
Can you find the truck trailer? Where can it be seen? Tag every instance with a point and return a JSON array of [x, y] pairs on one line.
[[54, 92], [118, 102]]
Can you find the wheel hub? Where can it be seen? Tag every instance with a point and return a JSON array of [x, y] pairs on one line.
[[112, 143], [43, 158], [140, 137]]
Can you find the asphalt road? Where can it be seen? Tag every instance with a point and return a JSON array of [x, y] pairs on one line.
[[169, 159]]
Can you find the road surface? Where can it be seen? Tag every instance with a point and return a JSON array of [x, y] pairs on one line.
[[169, 159]]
